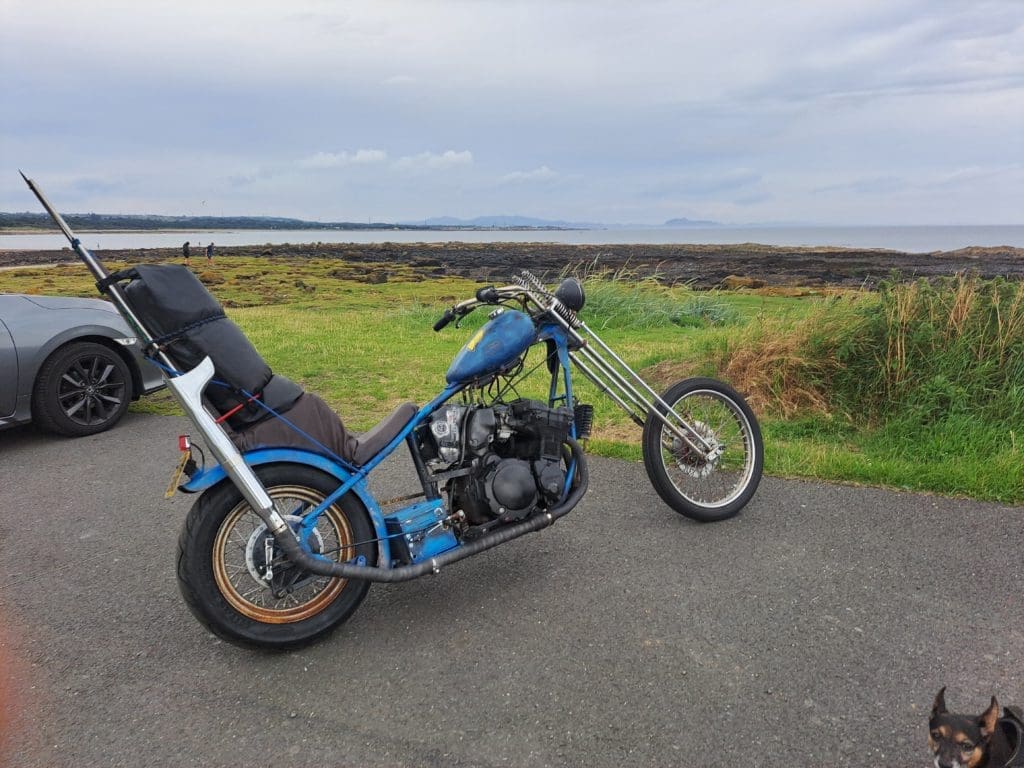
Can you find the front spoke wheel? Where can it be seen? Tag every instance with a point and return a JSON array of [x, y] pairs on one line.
[[708, 464]]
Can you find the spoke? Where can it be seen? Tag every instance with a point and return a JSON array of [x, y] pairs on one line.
[[722, 423], [76, 407], [254, 591], [102, 408], [102, 380], [237, 536]]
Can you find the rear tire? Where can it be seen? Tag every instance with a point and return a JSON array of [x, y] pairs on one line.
[[703, 490], [223, 551]]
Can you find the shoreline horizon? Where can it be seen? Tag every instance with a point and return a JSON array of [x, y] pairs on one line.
[[906, 238], [701, 265]]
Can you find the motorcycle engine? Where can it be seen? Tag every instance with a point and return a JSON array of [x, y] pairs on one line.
[[502, 462]]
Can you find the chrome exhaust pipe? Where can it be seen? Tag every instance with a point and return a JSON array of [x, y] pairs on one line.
[[323, 567]]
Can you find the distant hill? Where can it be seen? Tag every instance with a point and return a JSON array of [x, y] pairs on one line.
[[93, 222], [506, 222], [105, 222], [684, 222]]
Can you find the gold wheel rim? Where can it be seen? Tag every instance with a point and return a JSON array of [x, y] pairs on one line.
[[243, 592]]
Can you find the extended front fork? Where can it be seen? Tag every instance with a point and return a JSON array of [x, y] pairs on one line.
[[614, 378]]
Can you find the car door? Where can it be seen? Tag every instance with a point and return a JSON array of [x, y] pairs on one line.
[[8, 362]]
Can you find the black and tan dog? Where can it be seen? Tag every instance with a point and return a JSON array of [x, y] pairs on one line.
[[968, 741]]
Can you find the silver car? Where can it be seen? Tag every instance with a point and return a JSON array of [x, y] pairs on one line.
[[70, 365]]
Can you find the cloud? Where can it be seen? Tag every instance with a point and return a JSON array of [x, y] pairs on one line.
[[431, 161], [341, 159], [888, 185], [795, 110], [704, 184], [520, 177], [874, 185]]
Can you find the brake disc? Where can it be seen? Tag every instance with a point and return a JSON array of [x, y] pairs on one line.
[[690, 461], [262, 552]]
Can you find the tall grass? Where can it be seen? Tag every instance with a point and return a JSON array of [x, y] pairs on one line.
[[929, 351], [921, 349], [623, 299], [926, 374]]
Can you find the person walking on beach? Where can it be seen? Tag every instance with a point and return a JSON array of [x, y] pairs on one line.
[[209, 254], [185, 253]]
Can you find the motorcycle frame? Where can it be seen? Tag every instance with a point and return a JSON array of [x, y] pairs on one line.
[[355, 478], [575, 346]]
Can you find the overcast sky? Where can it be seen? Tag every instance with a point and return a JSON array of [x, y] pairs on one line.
[[822, 111]]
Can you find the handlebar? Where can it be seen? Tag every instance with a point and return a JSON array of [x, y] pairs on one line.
[[486, 295], [529, 293], [446, 318]]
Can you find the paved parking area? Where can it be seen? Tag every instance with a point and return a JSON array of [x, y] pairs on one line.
[[812, 630]]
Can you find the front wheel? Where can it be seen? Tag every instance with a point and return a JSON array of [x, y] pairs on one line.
[[712, 473], [82, 388], [236, 580]]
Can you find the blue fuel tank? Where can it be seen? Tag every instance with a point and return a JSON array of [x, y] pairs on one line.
[[502, 339]]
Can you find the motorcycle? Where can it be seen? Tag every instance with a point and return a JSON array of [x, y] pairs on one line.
[[284, 540]]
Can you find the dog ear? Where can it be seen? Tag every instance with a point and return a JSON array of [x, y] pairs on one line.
[[988, 718], [939, 707]]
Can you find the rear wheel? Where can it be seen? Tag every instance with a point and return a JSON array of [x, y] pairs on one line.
[[716, 481], [238, 583]]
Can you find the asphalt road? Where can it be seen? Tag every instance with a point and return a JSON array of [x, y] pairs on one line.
[[812, 630]]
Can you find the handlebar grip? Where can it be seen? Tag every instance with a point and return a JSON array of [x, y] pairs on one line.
[[446, 318], [487, 295]]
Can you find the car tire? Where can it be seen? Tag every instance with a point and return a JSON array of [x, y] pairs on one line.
[[82, 388]]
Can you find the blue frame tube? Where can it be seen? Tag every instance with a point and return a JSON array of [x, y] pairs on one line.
[[309, 522], [551, 331], [557, 334]]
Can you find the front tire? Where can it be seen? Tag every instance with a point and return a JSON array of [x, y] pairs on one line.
[[224, 549], [704, 489], [82, 388]]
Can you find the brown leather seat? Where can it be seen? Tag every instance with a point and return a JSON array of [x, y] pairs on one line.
[[316, 419]]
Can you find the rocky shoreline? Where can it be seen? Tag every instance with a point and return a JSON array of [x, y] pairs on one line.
[[704, 266]]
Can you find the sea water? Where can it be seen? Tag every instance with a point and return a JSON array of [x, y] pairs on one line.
[[912, 239]]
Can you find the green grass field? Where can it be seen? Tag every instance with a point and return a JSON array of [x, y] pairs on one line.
[[817, 369]]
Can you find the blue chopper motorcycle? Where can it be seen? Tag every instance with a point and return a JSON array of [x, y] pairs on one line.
[[283, 542]]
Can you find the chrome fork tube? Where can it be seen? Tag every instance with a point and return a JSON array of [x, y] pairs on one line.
[[605, 389], [704, 445], [617, 378], [627, 389]]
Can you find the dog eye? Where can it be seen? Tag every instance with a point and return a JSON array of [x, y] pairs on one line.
[[936, 735], [966, 746]]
